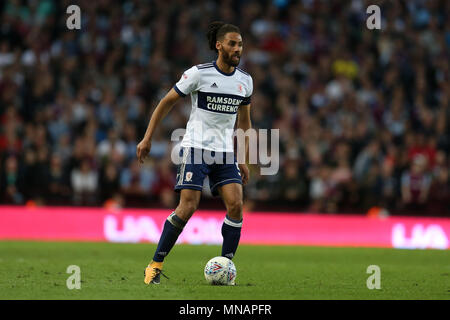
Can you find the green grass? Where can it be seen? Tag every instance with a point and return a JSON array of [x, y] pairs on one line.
[[37, 270]]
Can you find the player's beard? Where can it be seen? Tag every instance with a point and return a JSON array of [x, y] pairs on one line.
[[228, 59]]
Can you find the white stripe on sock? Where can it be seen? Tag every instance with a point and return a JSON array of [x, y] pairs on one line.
[[231, 223]]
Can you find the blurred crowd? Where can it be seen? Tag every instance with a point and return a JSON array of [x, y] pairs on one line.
[[363, 114]]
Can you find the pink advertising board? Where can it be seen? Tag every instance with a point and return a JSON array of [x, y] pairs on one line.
[[144, 225]]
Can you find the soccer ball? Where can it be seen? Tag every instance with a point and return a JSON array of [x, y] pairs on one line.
[[220, 271]]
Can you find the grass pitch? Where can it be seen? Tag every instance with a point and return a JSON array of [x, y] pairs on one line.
[[37, 270]]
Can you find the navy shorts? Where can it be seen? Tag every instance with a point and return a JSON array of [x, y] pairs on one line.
[[196, 164]]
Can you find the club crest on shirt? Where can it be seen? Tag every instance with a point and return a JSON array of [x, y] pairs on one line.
[[185, 75], [240, 88]]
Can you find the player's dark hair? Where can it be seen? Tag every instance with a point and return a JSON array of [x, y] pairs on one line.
[[217, 30]]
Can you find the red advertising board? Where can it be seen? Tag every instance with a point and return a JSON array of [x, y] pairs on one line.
[[145, 225]]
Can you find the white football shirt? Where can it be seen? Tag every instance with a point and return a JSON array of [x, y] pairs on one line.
[[216, 97]]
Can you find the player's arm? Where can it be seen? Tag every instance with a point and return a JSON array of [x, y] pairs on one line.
[[161, 110], [244, 122]]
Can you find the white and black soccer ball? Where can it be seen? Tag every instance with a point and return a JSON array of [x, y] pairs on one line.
[[220, 271]]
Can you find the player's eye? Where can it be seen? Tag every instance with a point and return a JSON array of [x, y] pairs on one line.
[[233, 43]]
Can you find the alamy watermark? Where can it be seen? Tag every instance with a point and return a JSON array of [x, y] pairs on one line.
[[73, 281], [374, 281], [374, 20], [259, 151], [74, 20]]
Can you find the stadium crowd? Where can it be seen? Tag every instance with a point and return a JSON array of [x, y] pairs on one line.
[[363, 114]]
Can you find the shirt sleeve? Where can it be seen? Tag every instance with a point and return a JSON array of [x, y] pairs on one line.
[[188, 82], [248, 96]]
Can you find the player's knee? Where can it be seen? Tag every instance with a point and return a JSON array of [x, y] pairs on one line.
[[191, 206], [187, 208], [235, 209]]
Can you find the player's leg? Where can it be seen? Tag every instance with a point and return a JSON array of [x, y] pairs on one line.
[[189, 200], [225, 180], [231, 228], [190, 176]]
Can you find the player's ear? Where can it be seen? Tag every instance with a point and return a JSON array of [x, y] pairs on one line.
[[218, 45]]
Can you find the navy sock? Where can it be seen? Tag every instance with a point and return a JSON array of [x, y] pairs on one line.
[[172, 229], [231, 232]]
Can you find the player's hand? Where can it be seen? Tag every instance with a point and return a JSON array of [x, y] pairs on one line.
[[143, 149], [245, 174]]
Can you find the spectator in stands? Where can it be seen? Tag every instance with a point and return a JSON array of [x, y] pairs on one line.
[[137, 182], [109, 182], [439, 194], [344, 97], [293, 184], [163, 188], [112, 147], [59, 190], [84, 182], [323, 192], [11, 182], [415, 185]]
